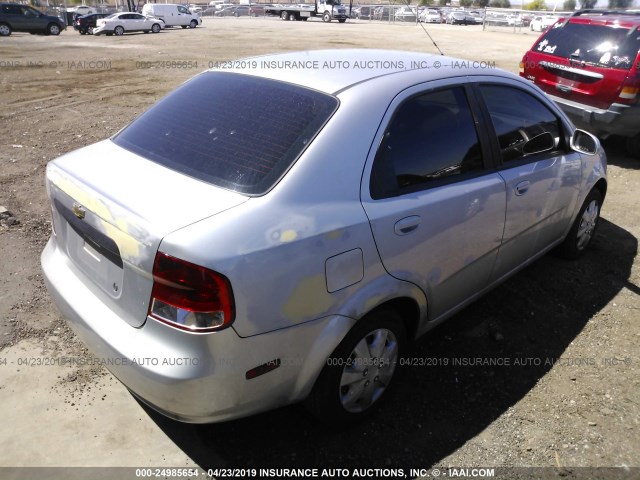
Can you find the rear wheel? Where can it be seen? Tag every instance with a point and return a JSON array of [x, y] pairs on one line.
[[82, 31], [584, 227], [5, 30], [90, 30], [284, 15], [155, 28], [633, 146], [292, 17], [360, 371], [118, 30], [342, 20]]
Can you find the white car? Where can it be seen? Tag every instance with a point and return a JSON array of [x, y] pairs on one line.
[[430, 16], [82, 10], [119, 23], [542, 22]]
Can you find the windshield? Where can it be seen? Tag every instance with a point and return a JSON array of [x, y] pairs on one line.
[[235, 131], [598, 45]]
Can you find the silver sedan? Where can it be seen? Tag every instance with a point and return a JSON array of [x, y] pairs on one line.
[[273, 232]]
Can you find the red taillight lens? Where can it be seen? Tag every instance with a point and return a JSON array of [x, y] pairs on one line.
[[189, 296]]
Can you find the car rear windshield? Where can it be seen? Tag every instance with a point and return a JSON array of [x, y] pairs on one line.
[[599, 45], [235, 131]]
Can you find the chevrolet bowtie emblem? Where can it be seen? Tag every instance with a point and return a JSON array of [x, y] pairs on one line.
[[78, 211]]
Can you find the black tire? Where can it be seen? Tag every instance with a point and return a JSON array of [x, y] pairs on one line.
[[284, 15], [5, 30], [155, 28], [119, 30], [82, 31], [340, 400], [184, 26], [193, 24], [53, 29], [292, 17], [342, 20], [326, 17], [584, 227], [633, 146], [145, 31]]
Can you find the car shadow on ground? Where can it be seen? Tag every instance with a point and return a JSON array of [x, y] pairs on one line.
[[449, 394], [617, 153]]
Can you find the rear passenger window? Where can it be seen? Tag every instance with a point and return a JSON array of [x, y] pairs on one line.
[[431, 140], [523, 124]]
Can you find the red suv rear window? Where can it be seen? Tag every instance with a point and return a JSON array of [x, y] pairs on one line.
[[597, 45]]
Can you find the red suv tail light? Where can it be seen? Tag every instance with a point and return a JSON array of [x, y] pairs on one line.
[[190, 297]]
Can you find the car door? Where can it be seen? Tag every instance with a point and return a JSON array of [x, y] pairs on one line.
[[542, 175], [139, 22], [435, 204], [14, 14]]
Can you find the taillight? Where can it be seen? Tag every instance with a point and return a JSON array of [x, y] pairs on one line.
[[189, 296], [629, 94]]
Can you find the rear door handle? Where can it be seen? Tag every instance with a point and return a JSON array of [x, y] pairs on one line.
[[522, 187], [407, 225]]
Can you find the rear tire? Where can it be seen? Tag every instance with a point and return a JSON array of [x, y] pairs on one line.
[[292, 17], [584, 227], [118, 30], [633, 146], [284, 16], [5, 30], [360, 371], [342, 20]]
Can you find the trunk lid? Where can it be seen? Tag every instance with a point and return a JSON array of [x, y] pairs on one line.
[[111, 208]]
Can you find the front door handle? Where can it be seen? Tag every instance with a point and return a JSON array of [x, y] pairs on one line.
[[522, 187], [407, 225]]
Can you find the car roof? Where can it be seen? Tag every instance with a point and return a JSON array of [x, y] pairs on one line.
[[332, 71], [619, 19]]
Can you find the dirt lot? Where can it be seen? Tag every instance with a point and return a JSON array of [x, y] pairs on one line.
[[569, 398]]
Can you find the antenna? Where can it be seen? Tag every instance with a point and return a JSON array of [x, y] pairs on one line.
[[408, 2]]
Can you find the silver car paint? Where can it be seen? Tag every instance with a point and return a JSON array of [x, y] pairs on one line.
[[275, 250]]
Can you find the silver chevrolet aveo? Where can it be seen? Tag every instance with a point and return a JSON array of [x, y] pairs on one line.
[[280, 230]]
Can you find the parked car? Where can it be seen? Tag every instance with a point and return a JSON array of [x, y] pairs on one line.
[[457, 17], [172, 14], [85, 24], [540, 23], [82, 10], [23, 18], [496, 19], [514, 20], [315, 258], [475, 18], [589, 65], [431, 15], [120, 23], [258, 10], [405, 14]]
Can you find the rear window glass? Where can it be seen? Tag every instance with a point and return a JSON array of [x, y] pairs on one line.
[[597, 45], [235, 131]]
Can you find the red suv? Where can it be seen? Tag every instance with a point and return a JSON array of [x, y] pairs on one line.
[[589, 64]]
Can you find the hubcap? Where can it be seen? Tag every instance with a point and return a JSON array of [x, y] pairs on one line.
[[588, 224], [368, 370], [4, 30]]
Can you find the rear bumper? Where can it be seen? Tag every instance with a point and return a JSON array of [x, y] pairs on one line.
[[195, 378], [618, 119]]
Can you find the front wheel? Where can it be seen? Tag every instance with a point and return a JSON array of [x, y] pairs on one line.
[[53, 29], [326, 17], [360, 371], [193, 24], [155, 28], [584, 228]]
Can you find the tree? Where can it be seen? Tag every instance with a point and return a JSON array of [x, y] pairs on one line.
[[500, 4], [481, 3], [536, 5], [442, 3], [466, 3], [424, 3], [569, 5], [588, 3], [621, 4]]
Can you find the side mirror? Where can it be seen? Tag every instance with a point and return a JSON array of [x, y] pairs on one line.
[[538, 144], [584, 142]]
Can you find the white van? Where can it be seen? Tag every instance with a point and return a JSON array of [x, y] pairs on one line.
[[174, 15]]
